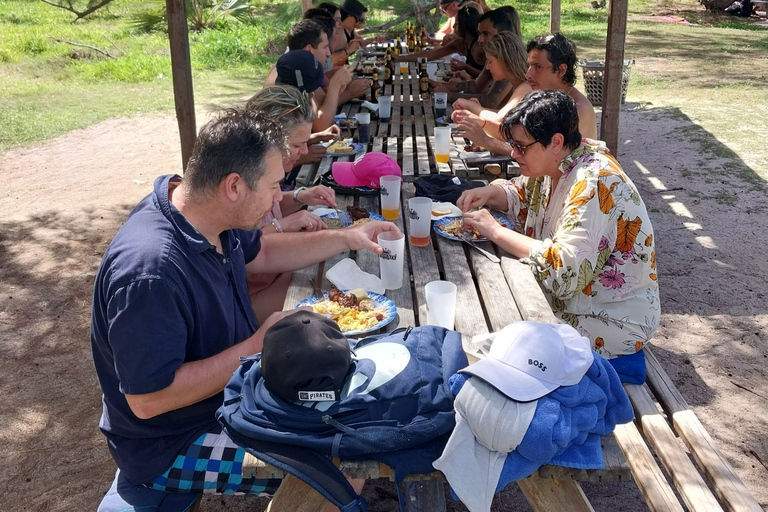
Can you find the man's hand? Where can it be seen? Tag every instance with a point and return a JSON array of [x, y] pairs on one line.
[[342, 77], [330, 133], [302, 221], [359, 87], [318, 195], [364, 236], [474, 198], [483, 222]]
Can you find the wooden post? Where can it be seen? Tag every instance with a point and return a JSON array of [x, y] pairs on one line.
[[305, 5], [554, 16], [182, 76], [614, 67]]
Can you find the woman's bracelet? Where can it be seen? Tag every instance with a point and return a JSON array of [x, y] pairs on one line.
[[277, 226]]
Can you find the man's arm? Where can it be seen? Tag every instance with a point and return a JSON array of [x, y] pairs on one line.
[[286, 252], [491, 96], [197, 380]]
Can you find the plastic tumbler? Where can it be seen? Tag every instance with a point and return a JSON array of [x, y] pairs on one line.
[[391, 260], [441, 104], [442, 143], [363, 127], [389, 191], [441, 303], [419, 217], [432, 70], [385, 108]]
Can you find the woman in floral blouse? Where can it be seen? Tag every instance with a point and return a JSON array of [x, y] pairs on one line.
[[580, 222]]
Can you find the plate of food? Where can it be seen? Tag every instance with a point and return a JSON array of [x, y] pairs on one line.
[[356, 311], [345, 122], [342, 148], [353, 215], [448, 226]]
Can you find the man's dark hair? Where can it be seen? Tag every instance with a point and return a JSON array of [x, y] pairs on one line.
[[345, 15], [330, 7], [544, 113], [560, 50], [236, 142], [321, 16], [498, 19], [466, 21], [303, 33], [514, 18]]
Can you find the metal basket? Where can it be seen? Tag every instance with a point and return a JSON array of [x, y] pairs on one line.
[[594, 71]]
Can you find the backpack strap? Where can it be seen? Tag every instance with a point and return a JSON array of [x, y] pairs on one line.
[[314, 468]]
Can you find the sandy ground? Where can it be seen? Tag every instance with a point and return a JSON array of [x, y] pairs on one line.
[[62, 201]]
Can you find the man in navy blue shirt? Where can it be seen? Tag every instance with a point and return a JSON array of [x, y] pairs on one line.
[[172, 315]]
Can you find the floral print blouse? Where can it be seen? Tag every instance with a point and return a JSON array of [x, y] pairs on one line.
[[596, 258]]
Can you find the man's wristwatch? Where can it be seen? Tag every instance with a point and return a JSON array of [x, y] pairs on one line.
[[296, 195]]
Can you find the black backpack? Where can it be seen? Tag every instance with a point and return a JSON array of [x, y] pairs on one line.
[[443, 188], [397, 408]]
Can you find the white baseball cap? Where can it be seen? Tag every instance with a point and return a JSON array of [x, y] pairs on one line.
[[528, 360]]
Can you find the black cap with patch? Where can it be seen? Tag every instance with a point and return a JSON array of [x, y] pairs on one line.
[[305, 358]]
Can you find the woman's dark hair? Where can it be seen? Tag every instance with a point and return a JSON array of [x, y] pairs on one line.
[[467, 21], [237, 142], [330, 7], [543, 114], [321, 16], [560, 50]]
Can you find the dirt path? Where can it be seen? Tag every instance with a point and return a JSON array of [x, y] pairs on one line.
[[62, 201]]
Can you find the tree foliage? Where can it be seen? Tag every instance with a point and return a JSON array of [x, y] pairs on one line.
[[201, 14]]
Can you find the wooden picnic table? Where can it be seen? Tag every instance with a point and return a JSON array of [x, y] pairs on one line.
[[490, 296]]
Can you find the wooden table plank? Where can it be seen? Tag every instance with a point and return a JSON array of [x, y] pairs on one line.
[[494, 290], [532, 306], [342, 201], [424, 266], [407, 159]]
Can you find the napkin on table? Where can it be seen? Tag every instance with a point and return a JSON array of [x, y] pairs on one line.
[[346, 275]]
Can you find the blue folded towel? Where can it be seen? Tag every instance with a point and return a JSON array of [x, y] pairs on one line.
[[631, 369], [568, 423]]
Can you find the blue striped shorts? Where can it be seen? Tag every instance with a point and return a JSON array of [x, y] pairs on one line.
[[213, 464]]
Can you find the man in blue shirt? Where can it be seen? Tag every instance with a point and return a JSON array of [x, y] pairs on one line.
[[172, 316]]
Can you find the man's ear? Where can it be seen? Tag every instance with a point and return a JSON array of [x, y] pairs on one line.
[[308, 47], [232, 186], [561, 70]]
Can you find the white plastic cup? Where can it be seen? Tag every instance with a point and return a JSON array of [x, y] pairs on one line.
[[441, 303], [442, 143], [432, 70], [385, 108], [389, 192], [441, 104], [363, 127], [391, 260], [419, 217]]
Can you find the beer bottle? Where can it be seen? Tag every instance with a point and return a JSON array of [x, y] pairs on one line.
[[398, 46], [389, 68], [375, 87], [424, 81], [411, 40]]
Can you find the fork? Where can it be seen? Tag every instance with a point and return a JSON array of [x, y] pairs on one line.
[[465, 238]]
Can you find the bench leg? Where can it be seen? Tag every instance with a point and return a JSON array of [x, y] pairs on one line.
[[550, 495]]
